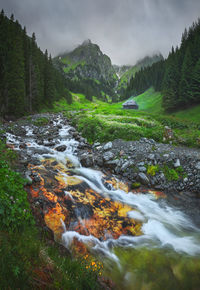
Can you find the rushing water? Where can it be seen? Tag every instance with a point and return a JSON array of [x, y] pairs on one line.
[[159, 225]]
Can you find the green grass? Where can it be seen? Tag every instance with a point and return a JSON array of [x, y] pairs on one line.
[[41, 121], [100, 121], [150, 101], [192, 114]]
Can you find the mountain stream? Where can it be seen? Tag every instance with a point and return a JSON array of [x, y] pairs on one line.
[[93, 213]]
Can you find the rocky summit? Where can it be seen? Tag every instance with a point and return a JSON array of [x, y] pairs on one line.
[[87, 62]]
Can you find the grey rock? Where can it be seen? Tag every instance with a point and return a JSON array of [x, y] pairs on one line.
[[197, 166], [177, 163], [143, 178], [112, 163], [125, 166], [22, 146], [107, 146], [99, 161], [152, 141], [61, 148], [151, 156], [142, 169], [96, 144], [140, 164], [99, 147], [108, 156], [87, 160], [143, 139], [166, 156]]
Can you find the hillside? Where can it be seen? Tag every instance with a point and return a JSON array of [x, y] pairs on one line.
[[150, 101], [87, 64], [126, 73]]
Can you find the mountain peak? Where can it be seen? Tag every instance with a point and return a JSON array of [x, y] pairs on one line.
[[86, 42]]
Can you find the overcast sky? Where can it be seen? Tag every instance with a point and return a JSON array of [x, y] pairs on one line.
[[126, 30]]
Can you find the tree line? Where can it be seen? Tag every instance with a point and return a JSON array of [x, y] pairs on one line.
[[177, 77], [28, 79]]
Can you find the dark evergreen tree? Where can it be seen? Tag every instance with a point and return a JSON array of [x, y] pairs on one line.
[[28, 79], [185, 81]]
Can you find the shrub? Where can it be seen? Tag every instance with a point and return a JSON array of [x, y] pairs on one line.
[[14, 207], [41, 121]]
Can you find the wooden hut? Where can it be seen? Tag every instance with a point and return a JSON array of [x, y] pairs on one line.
[[130, 104]]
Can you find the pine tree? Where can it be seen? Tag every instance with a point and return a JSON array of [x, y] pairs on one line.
[[186, 78], [195, 84]]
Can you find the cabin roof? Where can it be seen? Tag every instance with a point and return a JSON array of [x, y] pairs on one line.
[[130, 103]]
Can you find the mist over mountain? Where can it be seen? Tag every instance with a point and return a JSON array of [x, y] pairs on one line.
[[89, 65]]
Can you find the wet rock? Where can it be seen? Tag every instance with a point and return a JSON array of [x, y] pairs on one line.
[[87, 160], [40, 142], [36, 177], [82, 145], [108, 156], [23, 146], [107, 146], [61, 148], [143, 178], [50, 144]]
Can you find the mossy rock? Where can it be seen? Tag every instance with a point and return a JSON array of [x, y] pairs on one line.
[[135, 185]]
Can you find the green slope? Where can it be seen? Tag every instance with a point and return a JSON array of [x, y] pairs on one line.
[[125, 78], [192, 114], [150, 101]]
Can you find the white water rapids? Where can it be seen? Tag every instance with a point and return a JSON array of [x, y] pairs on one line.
[[163, 226]]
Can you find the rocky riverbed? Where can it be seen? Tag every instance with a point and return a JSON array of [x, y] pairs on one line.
[[143, 163]]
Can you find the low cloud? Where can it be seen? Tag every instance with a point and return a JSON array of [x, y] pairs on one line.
[[125, 30]]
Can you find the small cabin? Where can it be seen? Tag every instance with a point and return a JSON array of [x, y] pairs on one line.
[[130, 104]]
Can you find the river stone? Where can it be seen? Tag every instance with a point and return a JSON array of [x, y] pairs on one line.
[[108, 156], [143, 178], [197, 166], [125, 166], [140, 164], [177, 163], [96, 144], [23, 146], [61, 148], [107, 146], [40, 142], [87, 160], [151, 156], [113, 163], [142, 169]]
